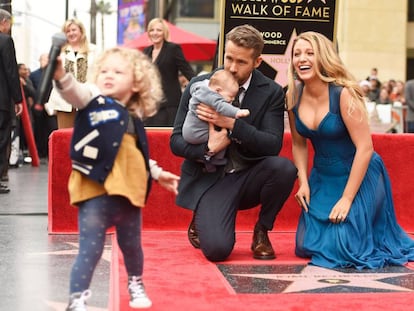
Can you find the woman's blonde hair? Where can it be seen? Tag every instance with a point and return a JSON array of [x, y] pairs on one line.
[[328, 67], [84, 44], [165, 29], [146, 79]]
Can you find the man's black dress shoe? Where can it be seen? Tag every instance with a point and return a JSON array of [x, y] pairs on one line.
[[4, 189], [261, 246], [193, 234]]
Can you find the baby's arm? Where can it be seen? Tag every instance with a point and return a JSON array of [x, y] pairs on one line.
[[214, 100], [242, 113]]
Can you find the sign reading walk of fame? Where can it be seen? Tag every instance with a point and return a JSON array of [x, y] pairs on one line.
[[279, 21]]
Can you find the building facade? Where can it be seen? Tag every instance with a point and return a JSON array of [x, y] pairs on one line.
[[370, 33]]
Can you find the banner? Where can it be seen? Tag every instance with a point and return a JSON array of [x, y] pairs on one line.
[[131, 20], [279, 21]]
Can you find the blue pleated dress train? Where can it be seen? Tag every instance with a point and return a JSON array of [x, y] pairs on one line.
[[370, 237]]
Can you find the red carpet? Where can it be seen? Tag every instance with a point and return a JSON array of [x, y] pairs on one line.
[[178, 277], [161, 213]]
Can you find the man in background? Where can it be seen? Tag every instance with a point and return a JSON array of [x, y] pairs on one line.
[[409, 100], [43, 123], [10, 91]]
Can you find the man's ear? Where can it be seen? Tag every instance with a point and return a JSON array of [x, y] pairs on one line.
[[258, 61]]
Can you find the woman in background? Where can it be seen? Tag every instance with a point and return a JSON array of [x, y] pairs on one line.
[[78, 56], [170, 61]]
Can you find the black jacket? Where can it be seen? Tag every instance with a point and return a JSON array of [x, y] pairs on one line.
[[260, 135], [97, 135], [10, 89]]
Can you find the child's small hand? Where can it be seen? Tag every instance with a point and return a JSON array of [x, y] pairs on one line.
[[169, 181], [59, 71], [242, 113]]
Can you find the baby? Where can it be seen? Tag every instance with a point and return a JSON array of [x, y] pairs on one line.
[[217, 92]]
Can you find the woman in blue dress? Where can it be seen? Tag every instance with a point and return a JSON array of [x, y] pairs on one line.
[[348, 217]]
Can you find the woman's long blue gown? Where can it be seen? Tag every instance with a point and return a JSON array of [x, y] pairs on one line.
[[370, 237]]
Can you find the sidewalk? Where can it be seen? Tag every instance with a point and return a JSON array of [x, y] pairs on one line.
[[35, 266]]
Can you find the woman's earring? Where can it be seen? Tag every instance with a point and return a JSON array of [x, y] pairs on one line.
[[295, 75]]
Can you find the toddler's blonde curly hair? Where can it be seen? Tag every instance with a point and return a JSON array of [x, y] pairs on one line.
[[146, 100]]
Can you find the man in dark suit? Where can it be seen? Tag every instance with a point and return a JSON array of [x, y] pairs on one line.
[[254, 173], [10, 90], [44, 123]]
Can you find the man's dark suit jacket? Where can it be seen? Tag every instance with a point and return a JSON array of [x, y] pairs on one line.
[[170, 61], [10, 90], [261, 134]]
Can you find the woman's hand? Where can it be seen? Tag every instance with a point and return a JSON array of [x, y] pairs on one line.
[[302, 196], [340, 210]]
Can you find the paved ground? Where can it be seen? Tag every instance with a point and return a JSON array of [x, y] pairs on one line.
[[34, 266]]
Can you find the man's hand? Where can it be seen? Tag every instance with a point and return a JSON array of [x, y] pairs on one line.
[[217, 140], [18, 108], [209, 115]]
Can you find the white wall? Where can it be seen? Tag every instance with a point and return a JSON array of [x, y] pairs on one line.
[[373, 33], [35, 22]]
